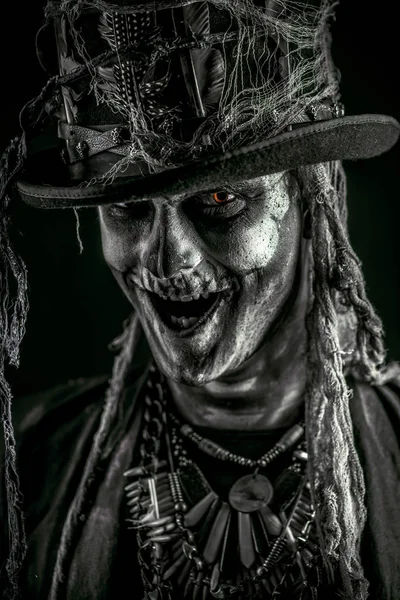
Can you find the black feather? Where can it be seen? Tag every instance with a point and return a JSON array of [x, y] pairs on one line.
[[203, 69]]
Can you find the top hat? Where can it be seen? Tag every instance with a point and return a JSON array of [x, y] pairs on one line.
[[152, 99]]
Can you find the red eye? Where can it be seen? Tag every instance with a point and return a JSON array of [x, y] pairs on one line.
[[221, 196]]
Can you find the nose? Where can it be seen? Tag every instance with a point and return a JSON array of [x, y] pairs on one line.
[[172, 246]]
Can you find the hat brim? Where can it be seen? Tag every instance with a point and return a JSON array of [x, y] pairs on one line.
[[352, 137]]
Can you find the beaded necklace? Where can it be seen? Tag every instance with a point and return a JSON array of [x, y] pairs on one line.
[[194, 545], [214, 450]]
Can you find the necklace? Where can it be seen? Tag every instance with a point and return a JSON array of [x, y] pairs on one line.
[[192, 544], [214, 450], [251, 492]]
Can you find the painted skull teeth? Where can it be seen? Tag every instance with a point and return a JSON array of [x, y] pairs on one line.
[[183, 312], [188, 298]]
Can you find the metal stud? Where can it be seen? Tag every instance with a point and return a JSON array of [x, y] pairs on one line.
[[82, 149]]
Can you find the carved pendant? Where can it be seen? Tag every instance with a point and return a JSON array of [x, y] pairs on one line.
[[251, 493]]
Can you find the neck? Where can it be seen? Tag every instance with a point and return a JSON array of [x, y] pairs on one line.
[[267, 390]]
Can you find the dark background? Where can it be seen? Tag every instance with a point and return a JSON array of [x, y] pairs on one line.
[[77, 308]]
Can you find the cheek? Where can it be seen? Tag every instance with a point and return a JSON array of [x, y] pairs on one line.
[[254, 246], [262, 237], [118, 243]]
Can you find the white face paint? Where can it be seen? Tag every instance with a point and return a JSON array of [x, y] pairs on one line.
[[240, 246]]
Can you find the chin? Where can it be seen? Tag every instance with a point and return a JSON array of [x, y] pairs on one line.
[[184, 366], [196, 365]]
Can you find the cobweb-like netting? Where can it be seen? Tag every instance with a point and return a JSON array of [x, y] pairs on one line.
[[266, 70]]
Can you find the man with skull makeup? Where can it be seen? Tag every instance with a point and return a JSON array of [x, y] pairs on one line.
[[247, 445]]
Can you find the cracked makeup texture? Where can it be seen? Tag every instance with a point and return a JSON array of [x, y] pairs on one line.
[[245, 255]]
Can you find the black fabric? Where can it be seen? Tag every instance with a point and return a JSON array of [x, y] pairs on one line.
[[50, 427], [55, 430], [350, 137], [376, 418]]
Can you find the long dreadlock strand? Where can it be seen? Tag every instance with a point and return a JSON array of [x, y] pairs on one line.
[[13, 312], [89, 480], [335, 471], [338, 270], [350, 282]]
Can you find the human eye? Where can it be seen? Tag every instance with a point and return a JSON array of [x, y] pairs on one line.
[[132, 209], [220, 203]]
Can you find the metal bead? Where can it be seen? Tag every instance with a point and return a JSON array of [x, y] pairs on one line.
[[161, 538], [198, 563], [301, 455], [290, 438], [65, 156], [208, 447], [189, 550], [82, 149], [338, 110], [119, 135], [186, 430], [189, 536]]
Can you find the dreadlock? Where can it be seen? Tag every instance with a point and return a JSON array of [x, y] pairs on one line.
[[14, 306], [336, 475], [13, 312]]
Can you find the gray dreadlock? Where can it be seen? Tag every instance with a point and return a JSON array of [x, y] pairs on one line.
[[14, 307], [13, 311], [335, 471]]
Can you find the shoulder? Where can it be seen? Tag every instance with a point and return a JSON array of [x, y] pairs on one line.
[[66, 406], [375, 411], [48, 426], [44, 412], [54, 432], [67, 400]]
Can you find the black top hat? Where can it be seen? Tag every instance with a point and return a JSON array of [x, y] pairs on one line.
[[185, 95]]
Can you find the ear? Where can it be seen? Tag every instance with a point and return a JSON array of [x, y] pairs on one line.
[[306, 224]]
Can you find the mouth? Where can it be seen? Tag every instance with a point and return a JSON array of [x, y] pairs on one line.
[[188, 313]]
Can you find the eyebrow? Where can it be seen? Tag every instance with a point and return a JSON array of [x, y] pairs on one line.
[[238, 186]]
